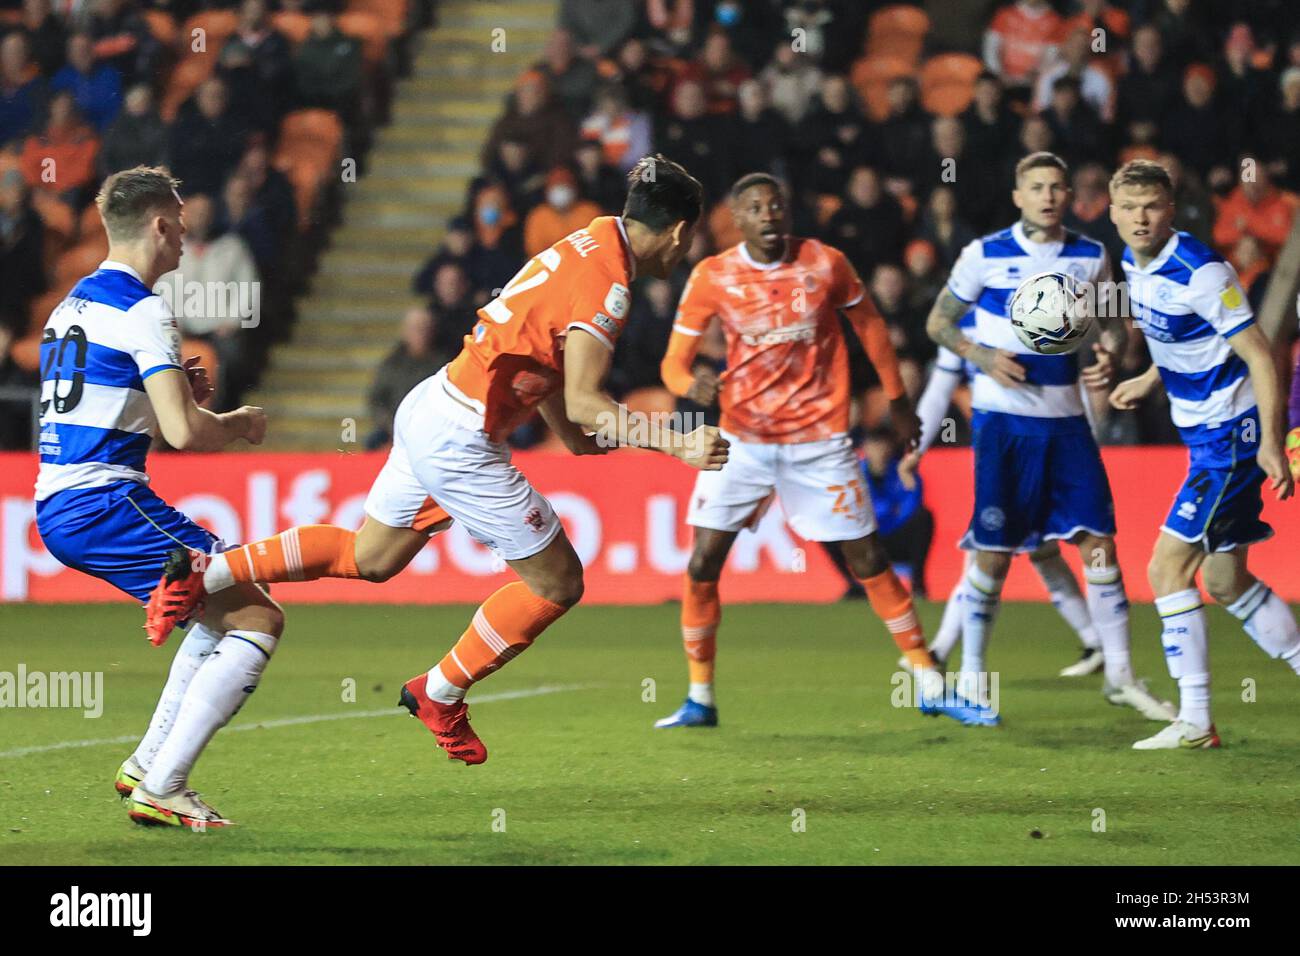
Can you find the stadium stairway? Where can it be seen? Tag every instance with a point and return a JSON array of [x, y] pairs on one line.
[[392, 218]]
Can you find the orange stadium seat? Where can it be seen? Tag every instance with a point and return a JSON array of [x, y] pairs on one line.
[[948, 82], [185, 79], [392, 13], [294, 25], [321, 128], [898, 31], [44, 304], [162, 27], [722, 227], [308, 153], [81, 260], [90, 225], [372, 33], [828, 204], [871, 76], [217, 26], [57, 216]]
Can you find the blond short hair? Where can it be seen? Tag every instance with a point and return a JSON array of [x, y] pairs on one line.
[[128, 199]]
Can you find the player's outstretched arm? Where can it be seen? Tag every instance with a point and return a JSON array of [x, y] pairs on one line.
[[586, 363], [942, 326], [574, 438], [1253, 346], [190, 428], [871, 329], [681, 375]]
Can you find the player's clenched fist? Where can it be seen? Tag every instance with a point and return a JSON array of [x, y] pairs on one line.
[[704, 448], [255, 423]]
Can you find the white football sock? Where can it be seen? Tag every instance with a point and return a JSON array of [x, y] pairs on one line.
[[701, 694], [1108, 608], [945, 639], [1063, 589], [216, 693], [217, 576], [440, 689], [980, 602], [1269, 622], [191, 654], [1187, 653]]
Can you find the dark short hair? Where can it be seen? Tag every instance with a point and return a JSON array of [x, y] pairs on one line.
[[661, 193], [1041, 160], [750, 180], [128, 198], [1141, 173]]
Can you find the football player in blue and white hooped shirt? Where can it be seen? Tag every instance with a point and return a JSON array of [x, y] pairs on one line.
[[1225, 397], [1038, 471], [111, 380]]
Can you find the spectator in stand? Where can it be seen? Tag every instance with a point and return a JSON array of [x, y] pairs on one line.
[[792, 81], [16, 429], [514, 169], [1195, 132], [760, 134], [904, 135], [906, 325], [533, 118], [272, 193], [831, 140], [1077, 131], [213, 262], [1255, 208], [641, 80], [22, 90], [1089, 212], [257, 67], [22, 251], [691, 137], [138, 137], [1281, 137], [208, 139], [906, 526], [624, 134], [327, 68], [598, 26], [1150, 87], [572, 80], [1183, 33], [563, 211], [243, 217], [925, 279], [453, 311], [46, 37], [454, 248], [868, 228], [1193, 207], [97, 90], [1245, 95], [1021, 40], [832, 30], [1252, 269], [599, 181], [990, 125], [950, 161], [943, 227], [1090, 15], [413, 359], [720, 72], [1076, 62], [497, 251], [60, 160], [123, 41]]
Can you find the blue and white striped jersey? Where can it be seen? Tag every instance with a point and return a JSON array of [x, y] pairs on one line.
[[1188, 303], [99, 345], [986, 274]]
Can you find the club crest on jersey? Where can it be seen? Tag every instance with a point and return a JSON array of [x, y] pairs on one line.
[[617, 301], [992, 518], [534, 520]]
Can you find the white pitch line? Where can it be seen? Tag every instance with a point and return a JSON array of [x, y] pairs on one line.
[[394, 711]]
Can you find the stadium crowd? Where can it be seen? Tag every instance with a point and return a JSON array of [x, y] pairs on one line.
[[897, 127]]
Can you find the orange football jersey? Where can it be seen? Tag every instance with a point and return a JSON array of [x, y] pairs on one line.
[[787, 376], [514, 356]]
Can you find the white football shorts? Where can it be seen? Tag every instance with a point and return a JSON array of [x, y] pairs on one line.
[[441, 452], [819, 484]]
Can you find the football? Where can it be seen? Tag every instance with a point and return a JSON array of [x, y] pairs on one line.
[[1048, 313]]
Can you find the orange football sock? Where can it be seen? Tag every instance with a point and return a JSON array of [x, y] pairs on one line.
[[502, 628], [299, 554], [893, 604], [701, 612]]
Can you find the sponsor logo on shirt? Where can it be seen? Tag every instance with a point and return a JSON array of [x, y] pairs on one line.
[[617, 301], [791, 333]]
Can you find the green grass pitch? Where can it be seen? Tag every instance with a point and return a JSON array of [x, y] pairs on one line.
[[577, 775]]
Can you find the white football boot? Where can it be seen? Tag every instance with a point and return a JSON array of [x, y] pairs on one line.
[[183, 809], [1180, 735], [1137, 696], [1089, 663]]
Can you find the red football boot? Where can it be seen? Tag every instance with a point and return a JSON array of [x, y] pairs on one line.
[[177, 597], [449, 722]]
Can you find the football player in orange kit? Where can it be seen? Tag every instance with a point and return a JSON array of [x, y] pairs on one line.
[[785, 413], [545, 343]]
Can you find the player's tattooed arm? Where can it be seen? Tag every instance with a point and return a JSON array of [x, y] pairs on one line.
[[942, 327]]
